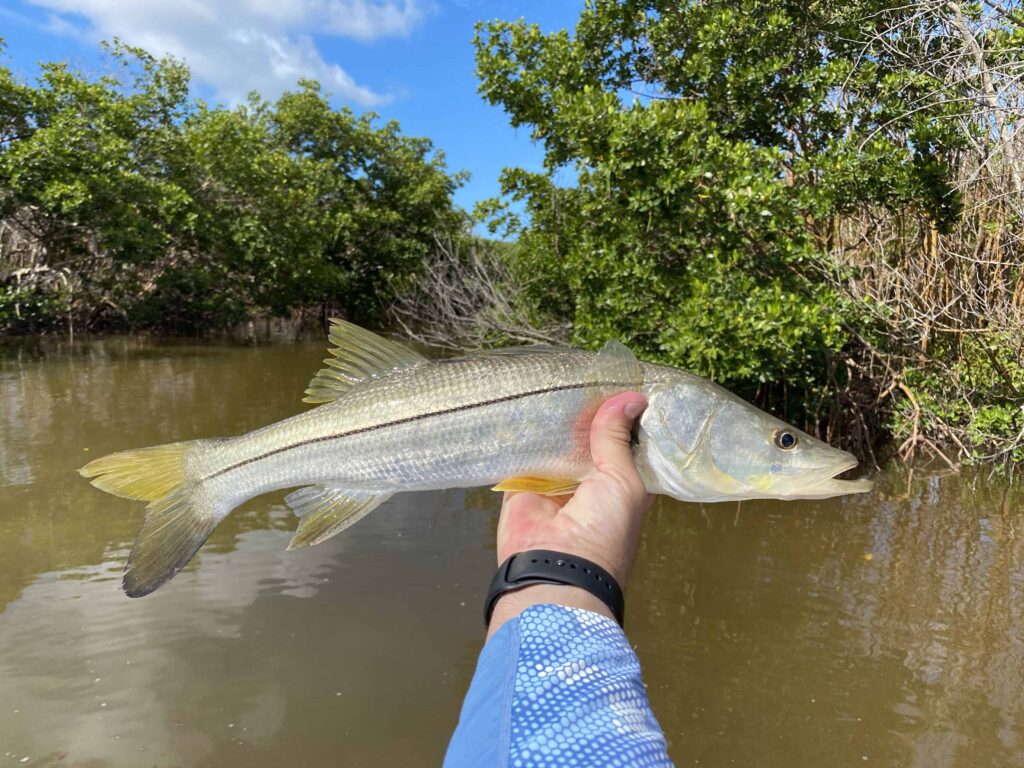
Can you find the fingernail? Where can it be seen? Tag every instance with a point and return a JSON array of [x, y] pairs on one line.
[[634, 409]]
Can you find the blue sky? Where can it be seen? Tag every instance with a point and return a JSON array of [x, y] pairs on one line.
[[408, 60]]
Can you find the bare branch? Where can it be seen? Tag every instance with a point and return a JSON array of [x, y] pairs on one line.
[[469, 297]]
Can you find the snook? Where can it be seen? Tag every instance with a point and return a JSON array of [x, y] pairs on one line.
[[393, 421]]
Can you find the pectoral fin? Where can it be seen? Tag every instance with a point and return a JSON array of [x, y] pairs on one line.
[[545, 486], [614, 369], [326, 512]]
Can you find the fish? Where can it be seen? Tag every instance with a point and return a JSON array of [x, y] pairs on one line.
[[389, 420]]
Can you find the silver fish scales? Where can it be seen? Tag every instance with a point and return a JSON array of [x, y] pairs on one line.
[[390, 420]]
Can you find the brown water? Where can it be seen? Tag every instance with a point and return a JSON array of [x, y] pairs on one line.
[[878, 630]]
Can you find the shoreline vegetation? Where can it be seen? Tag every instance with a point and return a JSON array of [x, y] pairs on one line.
[[818, 206]]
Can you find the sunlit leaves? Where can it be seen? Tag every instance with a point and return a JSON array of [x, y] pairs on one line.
[[186, 216], [696, 154]]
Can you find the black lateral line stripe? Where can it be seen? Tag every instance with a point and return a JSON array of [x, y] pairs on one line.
[[408, 419]]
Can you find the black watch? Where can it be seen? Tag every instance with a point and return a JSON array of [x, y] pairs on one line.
[[541, 566]]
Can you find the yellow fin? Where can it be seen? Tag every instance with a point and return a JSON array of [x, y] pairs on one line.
[[174, 530], [147, 473], [356, 356], [177, 523], [546, 486], [326, 511]]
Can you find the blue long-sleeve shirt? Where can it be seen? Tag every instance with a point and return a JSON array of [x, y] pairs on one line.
[[557, 687]]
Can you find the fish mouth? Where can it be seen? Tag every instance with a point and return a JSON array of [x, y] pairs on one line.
[[827, 484]]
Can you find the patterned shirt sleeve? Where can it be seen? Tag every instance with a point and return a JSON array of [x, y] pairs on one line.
[[557, 687]]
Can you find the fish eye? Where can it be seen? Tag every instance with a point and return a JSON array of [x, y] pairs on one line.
[[785, 439]]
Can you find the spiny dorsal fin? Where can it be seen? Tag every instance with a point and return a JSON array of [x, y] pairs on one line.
[[357, 355], [614, 369], [326, 511]]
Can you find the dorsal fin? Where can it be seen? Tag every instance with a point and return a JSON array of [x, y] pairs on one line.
[[357, 355]]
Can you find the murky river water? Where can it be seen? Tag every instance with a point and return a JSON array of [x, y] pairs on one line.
[[878, 630]]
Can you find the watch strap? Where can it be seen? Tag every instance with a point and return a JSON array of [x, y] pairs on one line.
[[542, 566]]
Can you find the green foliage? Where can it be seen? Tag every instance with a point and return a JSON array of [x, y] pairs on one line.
[[39, 308], [172, 214], [986, 408], [713, 145], [90, 155]]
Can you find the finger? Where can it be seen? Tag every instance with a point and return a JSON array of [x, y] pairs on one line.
[[610, 434]]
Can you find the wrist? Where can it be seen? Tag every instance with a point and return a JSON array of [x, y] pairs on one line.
[[569, 580], [513, 603], [617, 565]]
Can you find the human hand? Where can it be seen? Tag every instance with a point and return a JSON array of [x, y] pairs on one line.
[[601, 521]]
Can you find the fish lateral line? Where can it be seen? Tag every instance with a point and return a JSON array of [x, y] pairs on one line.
[[409, 419], [696, 442]]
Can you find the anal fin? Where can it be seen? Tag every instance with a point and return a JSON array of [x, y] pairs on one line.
[[325, 512], [545, 486]]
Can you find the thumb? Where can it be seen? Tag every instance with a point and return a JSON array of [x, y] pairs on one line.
[[610, 434]]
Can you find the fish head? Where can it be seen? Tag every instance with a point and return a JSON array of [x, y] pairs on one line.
[[704, 443]]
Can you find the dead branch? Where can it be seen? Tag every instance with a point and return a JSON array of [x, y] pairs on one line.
[[469, 297]]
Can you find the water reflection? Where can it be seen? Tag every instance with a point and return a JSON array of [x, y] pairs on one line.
[[256, 656], [882, 628], [886, 629]]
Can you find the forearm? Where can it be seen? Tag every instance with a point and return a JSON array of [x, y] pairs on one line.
[[558, 680], [511, 604]]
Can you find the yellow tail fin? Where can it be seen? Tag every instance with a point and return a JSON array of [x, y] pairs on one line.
[[147, 473], [175, 526]]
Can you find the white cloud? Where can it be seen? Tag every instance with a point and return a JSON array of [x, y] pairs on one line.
[[237, 46], [363, 20]]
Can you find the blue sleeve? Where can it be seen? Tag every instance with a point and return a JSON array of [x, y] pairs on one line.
[[557, 687]]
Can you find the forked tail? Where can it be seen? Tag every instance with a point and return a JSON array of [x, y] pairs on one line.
[[176, 523]]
